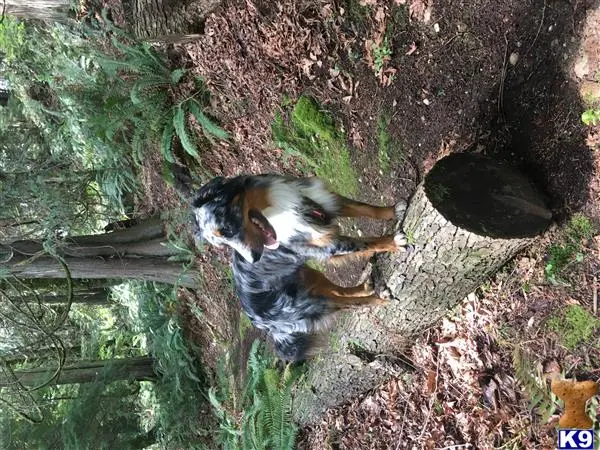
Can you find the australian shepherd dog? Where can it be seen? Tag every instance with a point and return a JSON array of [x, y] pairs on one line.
[[274, 225]]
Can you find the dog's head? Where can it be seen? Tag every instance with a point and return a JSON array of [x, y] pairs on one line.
[[228, 212]]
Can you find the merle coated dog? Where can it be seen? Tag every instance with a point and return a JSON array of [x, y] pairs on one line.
[[275, 224]]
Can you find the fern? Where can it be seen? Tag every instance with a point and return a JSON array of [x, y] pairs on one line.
[[167, 142], [179, 124], [266, 409], [208, 126], [541, 399]]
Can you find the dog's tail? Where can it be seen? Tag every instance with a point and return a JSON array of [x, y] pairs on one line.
[[295, 347]]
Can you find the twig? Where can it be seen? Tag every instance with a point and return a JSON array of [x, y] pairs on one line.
[[456, 446], [595, 296], [3, 12], [402, 427], [538, 30]]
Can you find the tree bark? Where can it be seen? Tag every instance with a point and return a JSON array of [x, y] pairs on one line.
[[169, 20], [447, 263], [108, 370], [55, 10], [139, 252], [145, 269]]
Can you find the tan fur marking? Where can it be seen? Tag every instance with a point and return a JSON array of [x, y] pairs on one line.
[[319, 285], [253, 199], [256, 199], [352, 208], [323, 241], [375, 245], [358, 302]]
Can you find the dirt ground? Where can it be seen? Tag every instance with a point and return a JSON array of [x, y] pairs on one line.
[[504, 78]]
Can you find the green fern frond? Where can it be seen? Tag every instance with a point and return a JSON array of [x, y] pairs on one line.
[[208, 126], [179, 124], [166, 142], [177, 75], [142, 85]]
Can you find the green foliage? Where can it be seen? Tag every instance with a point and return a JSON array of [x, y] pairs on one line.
[[357, 11], [382, 53], [313, 138], [530, 375], [591, 116], [263, 417], [87, 104], [12, 37], [570, 250], [574, 326], [180, 406]]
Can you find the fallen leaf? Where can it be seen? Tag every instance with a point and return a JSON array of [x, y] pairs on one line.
[[411, 49]]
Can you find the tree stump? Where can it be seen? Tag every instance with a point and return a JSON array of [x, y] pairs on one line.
[[169, 21], [470, 216]]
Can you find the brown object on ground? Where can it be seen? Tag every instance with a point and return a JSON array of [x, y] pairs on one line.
[[448, 263], [575, 395]]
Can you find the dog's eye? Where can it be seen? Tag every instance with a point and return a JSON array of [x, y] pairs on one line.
[[226, 231]]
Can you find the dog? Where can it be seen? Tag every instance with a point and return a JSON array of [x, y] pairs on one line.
[[275, 224]]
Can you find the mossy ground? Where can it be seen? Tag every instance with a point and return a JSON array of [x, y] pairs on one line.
[[312, 136]]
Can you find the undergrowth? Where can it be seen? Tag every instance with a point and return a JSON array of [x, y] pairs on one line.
[[260, 417], [570, 248], [311, 135], [100, 100], [574, 326], [178, 395], [529, 374]]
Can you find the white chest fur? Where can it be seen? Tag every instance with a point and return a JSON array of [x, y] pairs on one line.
[[286, 202]]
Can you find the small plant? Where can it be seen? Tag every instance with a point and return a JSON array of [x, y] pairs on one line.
[[382, 54], [570, 250], [312, 137], [591, 116], [153, 83], [574, 326]]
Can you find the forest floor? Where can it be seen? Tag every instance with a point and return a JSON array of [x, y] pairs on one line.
[[411, 81]]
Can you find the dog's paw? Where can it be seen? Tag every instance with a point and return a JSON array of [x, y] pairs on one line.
[[385, 294], [400, 210], [400, 240]]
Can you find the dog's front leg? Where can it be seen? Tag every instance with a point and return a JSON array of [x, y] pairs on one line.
[[346, 247]]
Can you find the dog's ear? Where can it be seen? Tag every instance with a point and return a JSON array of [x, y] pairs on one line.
[[208, 191]]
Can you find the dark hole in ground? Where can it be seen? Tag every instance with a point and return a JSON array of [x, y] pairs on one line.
[[486, 197]]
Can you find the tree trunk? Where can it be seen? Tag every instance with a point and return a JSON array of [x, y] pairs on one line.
[[108, 370], [55, 10], [139, 252], [447, 263], [146, 269], [169, 20]]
